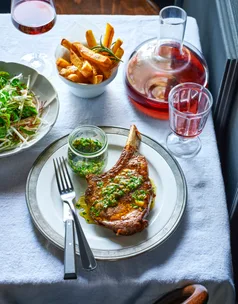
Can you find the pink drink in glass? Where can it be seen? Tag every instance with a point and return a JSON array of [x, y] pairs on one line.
[[189, 107]]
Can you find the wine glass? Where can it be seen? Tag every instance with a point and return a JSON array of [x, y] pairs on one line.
[[34, 17], [189, 107]]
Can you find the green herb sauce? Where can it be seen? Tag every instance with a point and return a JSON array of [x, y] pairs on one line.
[[84, 210], [82, 165], [127, 181], [87, 145]]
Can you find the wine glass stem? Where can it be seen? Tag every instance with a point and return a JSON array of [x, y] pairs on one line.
[[182, 139], [35, 59], [35, 43]]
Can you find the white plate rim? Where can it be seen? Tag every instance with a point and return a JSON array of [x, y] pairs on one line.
[[47, 231]]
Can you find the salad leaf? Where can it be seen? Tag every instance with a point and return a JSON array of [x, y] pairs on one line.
[[4, 74], [14, 116], [3, 82], [19, 115], [4, 120], [4, 124], [3, 131], [27, 130], [29, 111], [17, 83]]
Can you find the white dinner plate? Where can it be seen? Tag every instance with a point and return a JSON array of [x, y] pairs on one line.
[[46, 207]]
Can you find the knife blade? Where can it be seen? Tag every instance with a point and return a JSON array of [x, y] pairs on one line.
[[69, 244]]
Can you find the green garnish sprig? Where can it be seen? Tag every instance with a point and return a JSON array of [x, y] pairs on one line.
[[101, 48]]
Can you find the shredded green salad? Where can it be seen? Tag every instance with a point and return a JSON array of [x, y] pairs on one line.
[[20, 111]]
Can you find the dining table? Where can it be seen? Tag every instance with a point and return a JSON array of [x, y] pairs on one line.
[[31, 267]]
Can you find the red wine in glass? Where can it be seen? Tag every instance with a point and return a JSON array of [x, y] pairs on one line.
[[34, 17]]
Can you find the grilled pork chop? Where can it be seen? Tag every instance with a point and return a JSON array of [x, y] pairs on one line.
[[120, 198]]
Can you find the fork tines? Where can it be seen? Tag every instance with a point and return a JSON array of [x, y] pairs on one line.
[[62, 175]]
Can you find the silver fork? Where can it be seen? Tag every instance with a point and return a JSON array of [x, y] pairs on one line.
[[67, 195]]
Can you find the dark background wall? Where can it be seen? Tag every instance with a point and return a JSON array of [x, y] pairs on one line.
[[218, 25]]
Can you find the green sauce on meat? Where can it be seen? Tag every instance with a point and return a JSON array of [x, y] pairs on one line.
[[139, 195], [127, 181]]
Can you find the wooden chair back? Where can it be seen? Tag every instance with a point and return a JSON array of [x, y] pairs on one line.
[[191, 294]]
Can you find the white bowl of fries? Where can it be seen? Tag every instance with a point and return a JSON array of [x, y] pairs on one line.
[[88, 67]]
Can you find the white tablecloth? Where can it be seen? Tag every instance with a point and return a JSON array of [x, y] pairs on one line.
[[31, 269]]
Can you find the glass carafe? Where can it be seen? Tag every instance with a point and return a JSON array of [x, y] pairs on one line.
[[159, 64]]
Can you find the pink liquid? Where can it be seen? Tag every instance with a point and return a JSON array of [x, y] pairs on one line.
[[33, 17], [189, 127], [148, 88]]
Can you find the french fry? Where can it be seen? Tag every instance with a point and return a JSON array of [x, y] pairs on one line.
[[64, 72], [67, 71], [62, 63], [105, 72], [85, 65], [96, 79], [73, 77], [119, 53], [90, 39], [107, 41], [86, 69], [117, 44], [82, 79], [72, 71], [92, 56], [76, 60], [66, 43], [96, 69]]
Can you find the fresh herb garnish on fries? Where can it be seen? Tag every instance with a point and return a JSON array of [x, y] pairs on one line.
[[93, 63], [103, 49]]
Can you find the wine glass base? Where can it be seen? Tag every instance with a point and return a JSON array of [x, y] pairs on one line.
[[40, 62], [183, 147]]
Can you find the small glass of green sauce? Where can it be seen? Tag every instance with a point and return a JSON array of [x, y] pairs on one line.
[[87, 150]]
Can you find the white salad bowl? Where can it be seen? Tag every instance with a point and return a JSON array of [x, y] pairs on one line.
[[45, 92]]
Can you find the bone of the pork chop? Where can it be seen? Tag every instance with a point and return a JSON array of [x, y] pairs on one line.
[[134, 139], [132, 145], [122, 218]]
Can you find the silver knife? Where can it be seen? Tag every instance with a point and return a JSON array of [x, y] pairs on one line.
[[69, 245]]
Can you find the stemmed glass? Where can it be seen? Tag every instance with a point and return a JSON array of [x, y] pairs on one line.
[[189, 107], [34, 17]]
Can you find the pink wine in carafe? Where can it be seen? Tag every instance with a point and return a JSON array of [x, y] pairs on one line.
[[157, 65], [33, 17]]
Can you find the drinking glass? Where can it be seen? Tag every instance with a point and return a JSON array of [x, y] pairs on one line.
[[189, 107], [34, 17]]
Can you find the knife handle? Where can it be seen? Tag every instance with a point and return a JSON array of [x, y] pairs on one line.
[[69, 252]]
